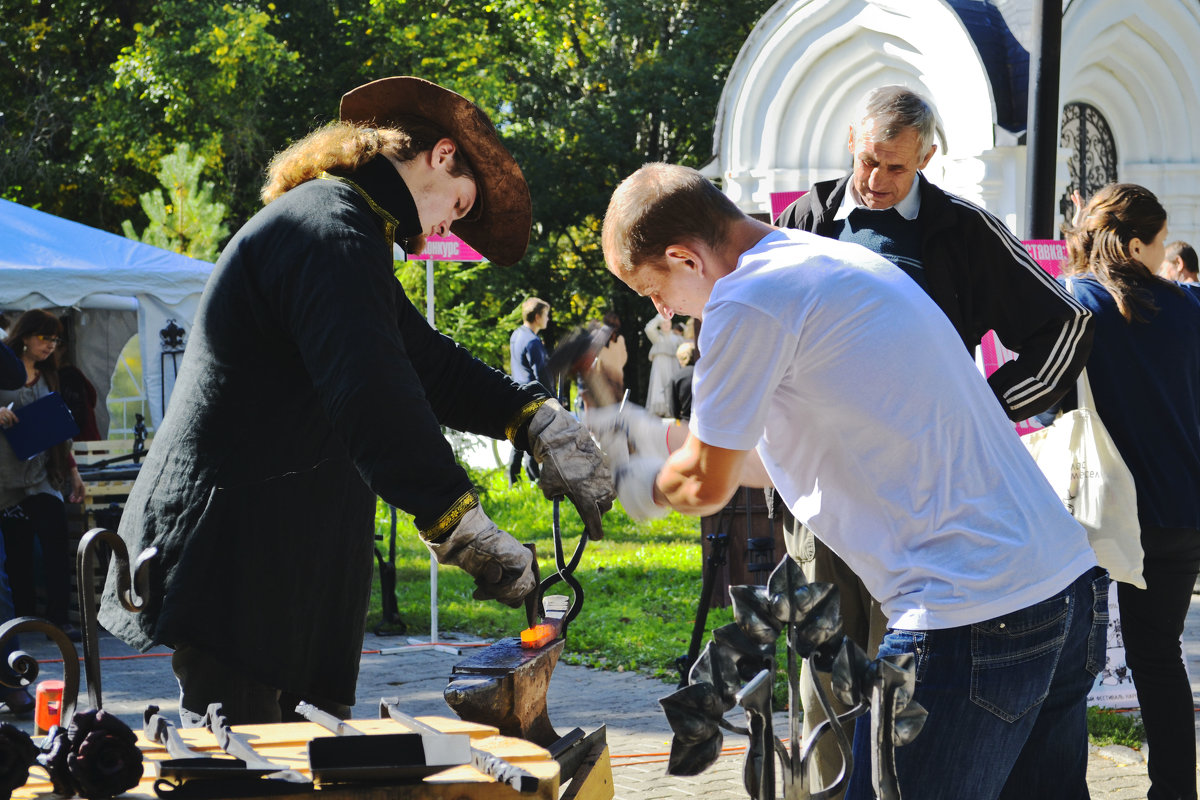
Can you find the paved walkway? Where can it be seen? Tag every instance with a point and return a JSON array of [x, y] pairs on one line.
[[638, 734]]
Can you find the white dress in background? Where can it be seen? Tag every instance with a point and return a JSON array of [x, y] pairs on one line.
[[663, 364]]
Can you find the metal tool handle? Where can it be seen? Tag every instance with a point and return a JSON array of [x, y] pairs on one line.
[[489, 764], [238, 747], [388, 707], [503, 771], [326, 720], [158, 728]]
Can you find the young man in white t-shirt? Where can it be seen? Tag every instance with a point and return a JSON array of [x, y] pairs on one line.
[[830, 375]]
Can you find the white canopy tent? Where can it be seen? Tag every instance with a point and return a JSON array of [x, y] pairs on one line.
[[111, 286]]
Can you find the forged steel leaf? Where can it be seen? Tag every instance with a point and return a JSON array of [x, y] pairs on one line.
[[756, 698], [692, 759], [749, 657], [909, 722], [791, 596], [899, 671], [752, 612], [820, 628], [853, 674], [718, 666], [693, 713], [702, 670], [735, 638]]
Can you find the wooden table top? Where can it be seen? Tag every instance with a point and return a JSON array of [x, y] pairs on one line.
[[287, 745]]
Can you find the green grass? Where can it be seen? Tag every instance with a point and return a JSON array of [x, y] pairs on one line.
[[641, 582], [1107, 727]]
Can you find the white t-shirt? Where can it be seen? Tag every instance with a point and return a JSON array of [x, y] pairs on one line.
[[878, 431]]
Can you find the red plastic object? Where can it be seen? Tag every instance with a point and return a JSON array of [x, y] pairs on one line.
[[48, 707]]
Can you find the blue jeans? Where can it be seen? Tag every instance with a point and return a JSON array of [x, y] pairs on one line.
[[1007, 702]]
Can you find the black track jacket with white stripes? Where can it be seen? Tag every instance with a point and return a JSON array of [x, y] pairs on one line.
[[982, 278]]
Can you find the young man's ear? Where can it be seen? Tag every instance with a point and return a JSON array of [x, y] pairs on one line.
[[442, 152], [682, 255]]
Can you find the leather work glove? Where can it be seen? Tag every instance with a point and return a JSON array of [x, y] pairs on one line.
[[572, 464], [628, 430], [499, 563], [635, 487]]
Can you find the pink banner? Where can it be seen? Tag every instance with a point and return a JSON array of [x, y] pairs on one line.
[[781, 200], [1050, 255], [447, 248]]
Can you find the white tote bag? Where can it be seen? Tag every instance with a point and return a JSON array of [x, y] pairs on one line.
[[1078, 457]]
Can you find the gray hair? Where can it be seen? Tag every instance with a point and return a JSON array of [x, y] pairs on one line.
[[894, 108], [1184, 251]]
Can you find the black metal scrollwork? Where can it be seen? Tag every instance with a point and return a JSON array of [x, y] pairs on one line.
[[1093, 159], [131, 591], [26, 666]]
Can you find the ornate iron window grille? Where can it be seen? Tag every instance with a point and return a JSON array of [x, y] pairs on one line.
[[1093, 159]]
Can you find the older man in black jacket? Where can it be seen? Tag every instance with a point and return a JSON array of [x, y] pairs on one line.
[[970, 264], [311, 385]]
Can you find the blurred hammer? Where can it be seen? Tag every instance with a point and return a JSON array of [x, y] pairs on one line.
[[577, 354]]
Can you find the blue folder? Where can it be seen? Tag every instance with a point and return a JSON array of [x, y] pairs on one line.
[[42, 424]]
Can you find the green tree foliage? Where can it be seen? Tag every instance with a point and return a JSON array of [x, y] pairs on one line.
[[202, 73], [583, 91], [53, 55], [183, 216]]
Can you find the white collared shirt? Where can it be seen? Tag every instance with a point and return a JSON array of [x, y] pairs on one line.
[[908, 208]]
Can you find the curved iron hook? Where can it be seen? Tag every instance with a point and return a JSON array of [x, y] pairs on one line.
[[132, 593], [26, 666]]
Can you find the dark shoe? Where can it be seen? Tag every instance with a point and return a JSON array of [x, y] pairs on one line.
[[17, 702], [73, 633]]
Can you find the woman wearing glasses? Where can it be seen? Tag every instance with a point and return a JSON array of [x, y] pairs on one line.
[[31, 492]]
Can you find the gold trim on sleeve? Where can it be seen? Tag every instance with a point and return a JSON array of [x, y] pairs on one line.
[[521, 417], [452, 517]]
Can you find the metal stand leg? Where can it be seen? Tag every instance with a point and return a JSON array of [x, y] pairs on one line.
[[714, 562], [387, 586]]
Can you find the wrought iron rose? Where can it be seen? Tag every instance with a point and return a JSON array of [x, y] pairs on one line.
[[17, 754], [97, 757], [53, 758]]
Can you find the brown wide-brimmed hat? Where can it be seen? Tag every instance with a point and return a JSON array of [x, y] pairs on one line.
[[501, 230]]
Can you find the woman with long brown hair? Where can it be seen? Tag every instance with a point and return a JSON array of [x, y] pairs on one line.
[[1144, 371], [31, 492]]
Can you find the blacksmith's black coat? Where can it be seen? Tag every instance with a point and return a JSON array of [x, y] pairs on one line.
[[310, 384]]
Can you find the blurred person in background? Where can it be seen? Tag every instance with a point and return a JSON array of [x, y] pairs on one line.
[[1179, 263], [32, 492]]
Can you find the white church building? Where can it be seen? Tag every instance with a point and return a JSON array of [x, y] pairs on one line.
[[1129, 97]]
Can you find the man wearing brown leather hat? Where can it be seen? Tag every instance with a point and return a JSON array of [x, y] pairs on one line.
[[311, 385]]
